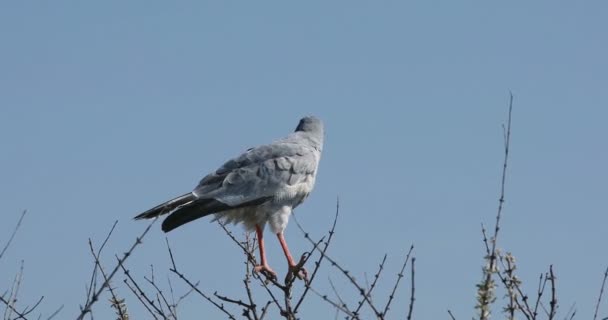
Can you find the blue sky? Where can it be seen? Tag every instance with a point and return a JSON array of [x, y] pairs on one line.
[[109, 108]]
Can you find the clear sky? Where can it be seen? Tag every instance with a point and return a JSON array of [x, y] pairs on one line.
[[110, 107]]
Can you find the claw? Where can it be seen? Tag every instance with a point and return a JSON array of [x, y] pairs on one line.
[[266, 271], [298, 271]]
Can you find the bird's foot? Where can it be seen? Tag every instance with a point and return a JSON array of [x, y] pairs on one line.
[[266, 271], [298, 271]]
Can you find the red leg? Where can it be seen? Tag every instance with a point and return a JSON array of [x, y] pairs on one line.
[[263, 267], [296, 269], [290, 260]]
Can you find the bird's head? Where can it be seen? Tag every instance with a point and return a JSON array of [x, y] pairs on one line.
[[313, 127]]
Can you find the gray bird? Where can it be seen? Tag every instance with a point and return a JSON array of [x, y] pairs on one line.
[[262, 185]]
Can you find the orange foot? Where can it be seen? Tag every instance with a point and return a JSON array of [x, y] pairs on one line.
[[266, 271]]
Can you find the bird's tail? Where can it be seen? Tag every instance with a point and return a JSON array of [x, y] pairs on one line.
[[166, 207]]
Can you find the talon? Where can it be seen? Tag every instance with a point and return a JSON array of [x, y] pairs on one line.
[[299, 272], [266, 271]]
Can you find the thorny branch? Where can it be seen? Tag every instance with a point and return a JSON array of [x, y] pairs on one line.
[[486, 288], [93, 296], [518, 300], [281, 294], [413, 288], [140, 294], [195, 286], [399, 276], [115, 300], [373, 285], [365, 294], [11, 301]]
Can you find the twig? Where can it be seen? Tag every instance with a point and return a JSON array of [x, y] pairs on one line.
[[92, 282], [451, 315], [553, 302], [55, 313], [333, 287], [373, 285], [12, 299], [160, 293], [356, 284], [139, 293], [247, 283], [181, 298], [87, 308], [14, 293], [399, 276], [119, 310], [322, 251], [141, 299], [248, 253], [248, 249], [511, 283], [194, 287], [9, 305], [10, 239], [333, 303], [599, 298], [542, 282], [25, 312], [265, 310], [233, 301], [571, 312], [487, 283], [274, 299], [412, 299]]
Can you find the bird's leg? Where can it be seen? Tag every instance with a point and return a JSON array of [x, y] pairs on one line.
[[263, 267], [296, 269]]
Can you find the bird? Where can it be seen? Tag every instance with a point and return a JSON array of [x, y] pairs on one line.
[[260, 187]]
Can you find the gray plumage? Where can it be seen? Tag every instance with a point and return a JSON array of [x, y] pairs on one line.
[[260, 186]]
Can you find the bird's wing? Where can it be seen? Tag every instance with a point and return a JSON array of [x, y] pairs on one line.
[[261, 172]]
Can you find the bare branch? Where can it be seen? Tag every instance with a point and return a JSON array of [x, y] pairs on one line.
[[373, 285], [95, 297], [10, 239], [265, 310], [485, 296], [139, 293], [14, 293], [54, 314], [542, 282], [195, 287], [553, 302], [451, 315], [11, 303], [333, 303], [315, 247], [115, 300], [399, 276], [145, 301], [412, 299], [599, 298], [333, 287]]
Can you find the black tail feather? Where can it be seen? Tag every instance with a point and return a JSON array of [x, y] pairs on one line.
[[200, 208], [166, 207], [192, 211]]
